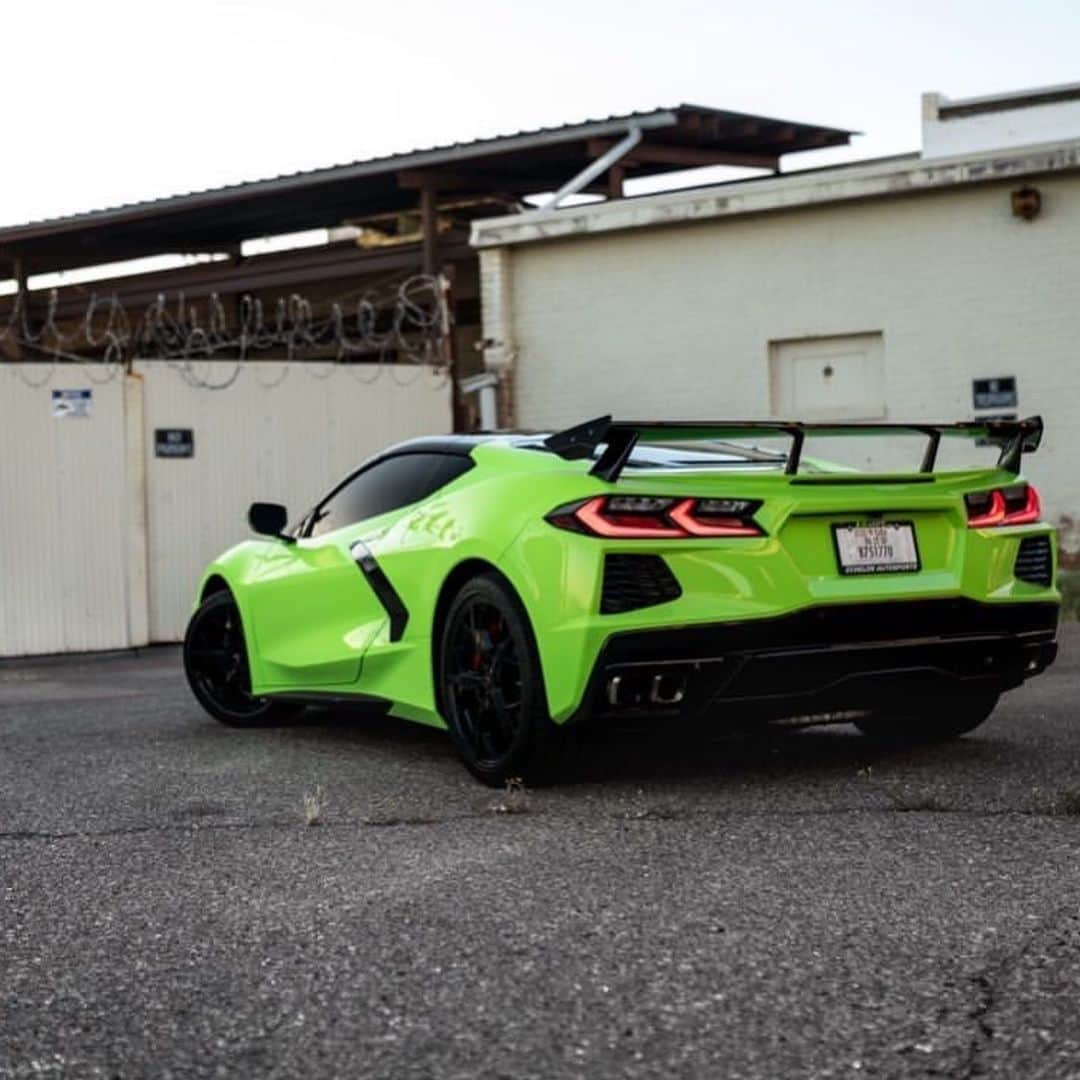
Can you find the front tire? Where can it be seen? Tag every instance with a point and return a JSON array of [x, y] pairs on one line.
[[216, 665], [932, 720], [491, 688]]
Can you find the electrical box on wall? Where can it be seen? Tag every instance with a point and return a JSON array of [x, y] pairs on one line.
[[828, 378]]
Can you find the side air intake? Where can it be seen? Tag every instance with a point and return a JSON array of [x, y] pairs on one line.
[[636, 581], [1035, 561]]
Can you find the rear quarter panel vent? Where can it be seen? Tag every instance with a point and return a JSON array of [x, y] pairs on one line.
[[1035, 561], [636, 581]]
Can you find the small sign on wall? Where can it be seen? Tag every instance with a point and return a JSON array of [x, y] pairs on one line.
[[174, 442], [71, 404], [999, 393]]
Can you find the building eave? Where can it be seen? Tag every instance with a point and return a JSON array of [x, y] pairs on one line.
[[888, 178], [510, 166]]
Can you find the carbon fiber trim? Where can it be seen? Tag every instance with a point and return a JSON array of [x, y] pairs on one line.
[[380, 585]]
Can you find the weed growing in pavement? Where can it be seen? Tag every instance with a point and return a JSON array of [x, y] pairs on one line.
[[514, 800], [900, 795], [314, 805], [1068, 802], [905, 799]]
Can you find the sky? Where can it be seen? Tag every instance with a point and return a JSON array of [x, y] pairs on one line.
[[120, 100]]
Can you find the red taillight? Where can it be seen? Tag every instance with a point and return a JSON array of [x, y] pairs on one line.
[[1019, 505], [649, 517], [994, 515], [598, 519], [685, 515], [1031, 511]]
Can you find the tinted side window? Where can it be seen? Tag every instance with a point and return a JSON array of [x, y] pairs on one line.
[[395, 482]]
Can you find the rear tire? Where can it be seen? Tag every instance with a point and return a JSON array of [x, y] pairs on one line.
[[216, 665], [932, 720], [491, 689]]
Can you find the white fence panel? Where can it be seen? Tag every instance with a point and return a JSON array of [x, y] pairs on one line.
[[65, 531], [259, 439]]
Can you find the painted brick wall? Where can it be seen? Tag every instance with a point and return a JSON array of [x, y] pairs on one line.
[[677, 321]]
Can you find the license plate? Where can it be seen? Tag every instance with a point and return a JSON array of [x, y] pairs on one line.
[[885, 547]]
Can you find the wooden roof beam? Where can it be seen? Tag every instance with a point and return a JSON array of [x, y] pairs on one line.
[[441, 179], [742, 129], [782, 133], [829, 138], [483, 183], [687, 157]]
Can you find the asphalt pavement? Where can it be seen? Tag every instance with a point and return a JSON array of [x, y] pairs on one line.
[[813, 905]]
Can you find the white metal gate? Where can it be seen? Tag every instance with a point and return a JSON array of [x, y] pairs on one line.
[[260, 440], [66, 532], [102, 540]]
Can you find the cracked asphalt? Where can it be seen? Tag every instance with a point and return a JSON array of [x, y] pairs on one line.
[[682, 906]]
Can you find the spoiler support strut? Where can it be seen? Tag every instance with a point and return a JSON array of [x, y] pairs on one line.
[[798, 437], [930, 455], [619, 437]]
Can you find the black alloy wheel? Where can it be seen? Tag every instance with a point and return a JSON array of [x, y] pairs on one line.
[[216, 665], [492, 693]]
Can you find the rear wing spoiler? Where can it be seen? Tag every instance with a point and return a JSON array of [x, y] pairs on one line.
[[618, 437]]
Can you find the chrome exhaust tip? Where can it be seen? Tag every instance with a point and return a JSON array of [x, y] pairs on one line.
[[641, 689], [613, 690], [667, 689]]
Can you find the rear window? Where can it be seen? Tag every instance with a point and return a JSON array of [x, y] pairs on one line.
[[691, 455], [697, 457]]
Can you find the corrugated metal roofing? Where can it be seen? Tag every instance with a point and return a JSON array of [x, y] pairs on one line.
[[318, 197], [362, 166]]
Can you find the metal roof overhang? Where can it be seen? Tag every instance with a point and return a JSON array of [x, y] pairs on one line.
[[683, 137]]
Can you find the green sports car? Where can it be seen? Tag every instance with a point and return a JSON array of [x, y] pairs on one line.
[[508, 585]]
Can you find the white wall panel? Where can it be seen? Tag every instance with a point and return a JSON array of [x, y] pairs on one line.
[[65, 515], [677, 321], [284, 443]]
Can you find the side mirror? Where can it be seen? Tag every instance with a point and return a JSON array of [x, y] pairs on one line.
[[269, 519]]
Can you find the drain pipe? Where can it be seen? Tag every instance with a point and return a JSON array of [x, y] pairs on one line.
[[483, 385], [597, 168]]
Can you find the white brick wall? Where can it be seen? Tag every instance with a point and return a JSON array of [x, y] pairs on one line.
[[676, 321], [496, 303]]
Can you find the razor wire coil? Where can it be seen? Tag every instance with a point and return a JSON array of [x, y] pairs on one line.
[[400, 327]]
